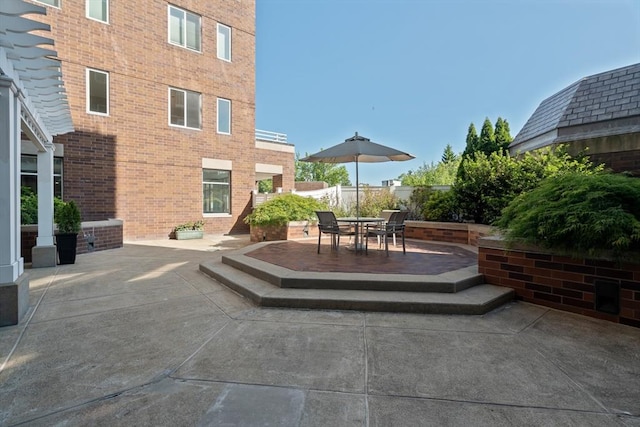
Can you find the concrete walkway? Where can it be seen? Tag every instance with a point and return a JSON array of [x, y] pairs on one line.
[[138, 336]]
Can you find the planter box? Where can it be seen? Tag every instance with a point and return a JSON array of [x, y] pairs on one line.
[[189, 234], [592, 287], [293, 230]]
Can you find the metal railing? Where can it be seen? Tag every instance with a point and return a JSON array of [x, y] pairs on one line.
[[265, 135]]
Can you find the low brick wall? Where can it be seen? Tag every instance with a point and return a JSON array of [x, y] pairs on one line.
[[294, 230], [561, 282], [452, 232], [106, 235]]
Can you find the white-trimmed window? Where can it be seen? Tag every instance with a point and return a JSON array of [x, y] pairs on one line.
[[55, 3], [224, 116], [185, 108], [184, 28], [224, 42], [97, 92], [98, 10], [216, 191], [29, 173]]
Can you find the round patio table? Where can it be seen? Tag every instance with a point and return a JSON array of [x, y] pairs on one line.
[[359, 223]]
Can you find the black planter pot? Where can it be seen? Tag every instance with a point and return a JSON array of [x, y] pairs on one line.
[[66, 245]]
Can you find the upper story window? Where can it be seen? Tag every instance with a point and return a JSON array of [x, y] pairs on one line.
[[55, 3], [97, 92], [185, 108], [224, 42], [224, 116], [184, 28], [98, 10]]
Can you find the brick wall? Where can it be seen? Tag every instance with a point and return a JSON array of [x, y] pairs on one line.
[[561, 282], [466, 234], [294, 230], [107, 235], [310, 185], [131, 164]]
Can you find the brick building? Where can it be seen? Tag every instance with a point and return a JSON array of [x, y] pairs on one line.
[[163, 106], [600, 113]]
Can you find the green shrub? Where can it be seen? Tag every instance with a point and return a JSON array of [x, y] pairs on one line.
[[284, 209], [441, 206], [577, 214], [487, 184], [28, 206], [372, 202]]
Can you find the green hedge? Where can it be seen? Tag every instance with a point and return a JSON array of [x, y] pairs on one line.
[[581, 215], [284, 209]]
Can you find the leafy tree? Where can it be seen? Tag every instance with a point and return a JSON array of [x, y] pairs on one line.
[[502, 134], [442, 173], [330, 173], [578, 214], [265, 186], [449, 156]]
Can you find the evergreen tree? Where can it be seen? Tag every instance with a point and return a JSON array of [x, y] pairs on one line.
[[472, 141], [503, 134], [487, 138], [449, 156]]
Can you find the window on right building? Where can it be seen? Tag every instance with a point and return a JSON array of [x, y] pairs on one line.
[[224, 42], [224, 116], [216, 194], [98, 10]]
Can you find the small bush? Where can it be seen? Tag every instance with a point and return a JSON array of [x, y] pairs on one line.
[[284, 209], [193, 225], [372, 202], [67, 216], [577, 214]]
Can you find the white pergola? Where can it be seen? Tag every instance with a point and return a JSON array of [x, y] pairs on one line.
[[32, 102]]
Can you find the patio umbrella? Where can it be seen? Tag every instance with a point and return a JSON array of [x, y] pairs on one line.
[[358, 149]]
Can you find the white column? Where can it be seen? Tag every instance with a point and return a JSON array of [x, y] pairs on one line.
[[45, 197], [11, 263]]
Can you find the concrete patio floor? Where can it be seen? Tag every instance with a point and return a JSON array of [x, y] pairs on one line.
[[138, 336]]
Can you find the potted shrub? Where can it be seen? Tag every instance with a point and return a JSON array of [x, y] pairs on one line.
[[189, 230], [67, 217]]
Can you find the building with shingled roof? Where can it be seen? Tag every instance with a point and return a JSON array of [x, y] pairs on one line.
[[599, 114]]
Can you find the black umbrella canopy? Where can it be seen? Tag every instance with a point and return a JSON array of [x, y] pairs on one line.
[[358, 149]]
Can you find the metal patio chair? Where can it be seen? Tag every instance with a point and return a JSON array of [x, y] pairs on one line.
[[393, 227], [327, 224]]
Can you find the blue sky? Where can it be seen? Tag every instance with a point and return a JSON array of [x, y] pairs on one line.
[[413, 74]]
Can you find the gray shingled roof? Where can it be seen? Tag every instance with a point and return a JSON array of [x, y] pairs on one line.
[[610, 95]]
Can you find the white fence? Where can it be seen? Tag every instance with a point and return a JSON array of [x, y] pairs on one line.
[[344, 196]]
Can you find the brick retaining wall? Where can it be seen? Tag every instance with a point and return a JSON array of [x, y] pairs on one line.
[[294, 230], [107, 235], [561, 282], [452, 232]]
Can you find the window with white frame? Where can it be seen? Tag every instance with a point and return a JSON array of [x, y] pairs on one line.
[[97, 92], [55, 3], [216, 191], [184, 28], [185, 108], [224, 42], [224, 116], [29, 173], [98, 10]]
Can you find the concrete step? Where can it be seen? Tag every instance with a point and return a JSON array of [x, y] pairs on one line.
[[478, 299]]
